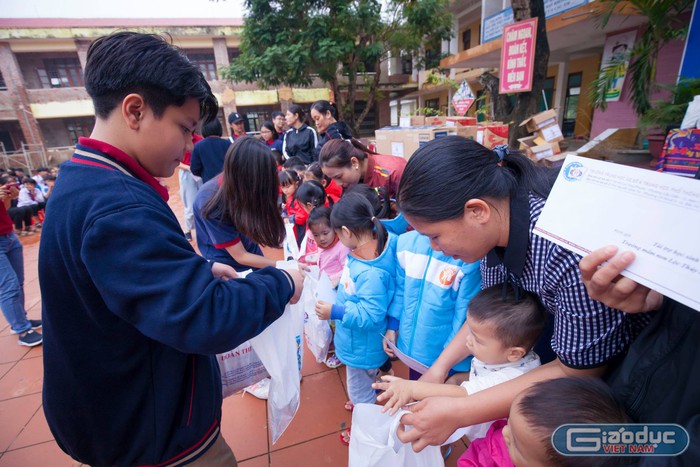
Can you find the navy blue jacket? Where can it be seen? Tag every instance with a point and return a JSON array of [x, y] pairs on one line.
[[208, 157], [337, 130], [300, 143], [132, 316]]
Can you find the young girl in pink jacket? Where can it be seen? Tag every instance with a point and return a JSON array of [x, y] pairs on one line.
[[331, 258]]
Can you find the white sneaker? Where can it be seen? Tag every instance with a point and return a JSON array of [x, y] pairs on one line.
[[261, 389]]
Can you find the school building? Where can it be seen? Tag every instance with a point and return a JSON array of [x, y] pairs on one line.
[[43, 102], [576, 43]]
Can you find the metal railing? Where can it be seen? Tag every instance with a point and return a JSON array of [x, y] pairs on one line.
[[29, 156]]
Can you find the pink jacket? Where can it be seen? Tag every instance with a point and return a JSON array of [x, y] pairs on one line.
[[332, 260], [490, 451]]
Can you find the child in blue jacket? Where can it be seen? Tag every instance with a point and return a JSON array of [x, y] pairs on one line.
[[364, 294], [433, 291]]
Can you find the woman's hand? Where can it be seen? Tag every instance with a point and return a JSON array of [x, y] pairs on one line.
[[391, 336], [323, 310], [397, 393], [605, 284], [433, 420]]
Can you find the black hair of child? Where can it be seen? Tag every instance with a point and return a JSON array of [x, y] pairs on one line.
[[548, 404], [212, 128], [516, 321], [129, 62], [288, 177], [354, 212], [312, 192], [294, 163], [320, 216], [315, 169], [276, 114], [29, 180], [376, 197]]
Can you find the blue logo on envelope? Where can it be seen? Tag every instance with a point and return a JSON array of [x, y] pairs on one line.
[[574, 171]]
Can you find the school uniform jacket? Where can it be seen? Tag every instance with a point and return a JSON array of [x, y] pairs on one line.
[[432, 295], [364, 295], [300, 142], [132, 317]]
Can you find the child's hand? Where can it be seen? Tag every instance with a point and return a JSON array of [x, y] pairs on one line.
[[397, 392], [323, 310], [391, 336]]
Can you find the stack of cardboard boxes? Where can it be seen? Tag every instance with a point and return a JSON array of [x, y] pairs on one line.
[[543, 145], [416, 131]]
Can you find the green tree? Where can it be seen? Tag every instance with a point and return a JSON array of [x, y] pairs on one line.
[[291, 42]]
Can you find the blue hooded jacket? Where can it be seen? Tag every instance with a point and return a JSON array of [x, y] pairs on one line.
[[432, 295], [364, 295]]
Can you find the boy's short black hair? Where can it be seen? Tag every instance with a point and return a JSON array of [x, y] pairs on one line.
[[29, 180], [129, 62], [295, 163], [547, 405], [276, 114], [516, 322]]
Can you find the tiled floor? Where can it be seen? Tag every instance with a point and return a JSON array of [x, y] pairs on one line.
[[311, 440]]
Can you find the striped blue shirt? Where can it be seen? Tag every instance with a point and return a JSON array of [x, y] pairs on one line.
[[587, 334]]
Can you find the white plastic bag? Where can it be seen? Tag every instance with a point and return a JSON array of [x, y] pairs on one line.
[[317, 332], [278, 349], [373, 441], [290, 247], [240, 368]]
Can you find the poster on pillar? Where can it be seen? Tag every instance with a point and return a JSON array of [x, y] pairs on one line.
[[463, 98], [518, 56], [616, 55]]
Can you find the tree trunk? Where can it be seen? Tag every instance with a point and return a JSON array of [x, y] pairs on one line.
[[526, 102], [371, 95], [502, 107]]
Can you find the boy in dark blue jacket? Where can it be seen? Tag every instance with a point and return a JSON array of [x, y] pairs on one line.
[[131, 313]]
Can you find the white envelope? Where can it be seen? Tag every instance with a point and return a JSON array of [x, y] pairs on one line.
[[655, 215]]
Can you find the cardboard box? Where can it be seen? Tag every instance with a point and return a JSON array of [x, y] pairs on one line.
[[550, 133], [435, 121], [536, 149], [492, 134], [554, 161], [413, 120], [466, 131], [403, 141], [540, 120], [460, 121], [390, 140]]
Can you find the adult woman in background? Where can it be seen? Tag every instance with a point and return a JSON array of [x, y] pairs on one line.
[[350, 163], [300, 140], [324, 114], [480, 204]]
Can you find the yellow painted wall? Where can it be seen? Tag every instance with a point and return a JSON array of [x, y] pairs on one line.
[[63, 109], [475, 37], [310, 95], [589, 66]]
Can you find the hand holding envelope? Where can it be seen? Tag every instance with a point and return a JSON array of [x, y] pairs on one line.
[[654, 215], [605, 284]]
